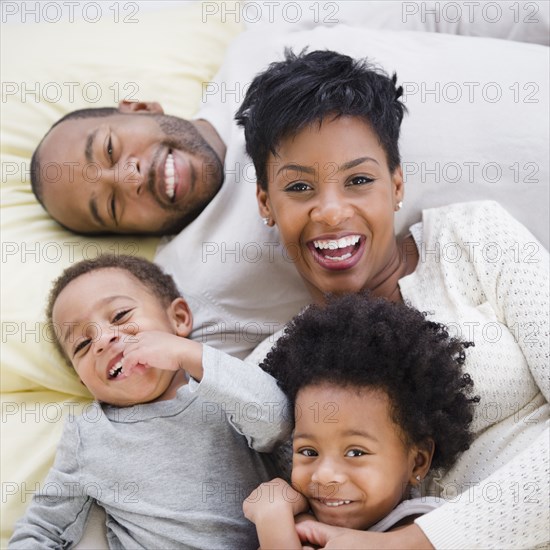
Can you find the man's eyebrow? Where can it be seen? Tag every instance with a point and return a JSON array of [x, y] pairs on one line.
[[95, 211], [88, 151]]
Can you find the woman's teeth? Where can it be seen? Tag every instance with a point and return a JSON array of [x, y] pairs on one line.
[[344, 242], [169, 175]]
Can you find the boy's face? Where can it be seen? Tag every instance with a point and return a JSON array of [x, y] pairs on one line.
[[349, 459], [96, 316], [333, 198]]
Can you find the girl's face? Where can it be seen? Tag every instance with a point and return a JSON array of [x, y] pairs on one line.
[[333, 198], [349, 457]]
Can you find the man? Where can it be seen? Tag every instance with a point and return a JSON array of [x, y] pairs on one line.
[[127, 170], [133, 169]]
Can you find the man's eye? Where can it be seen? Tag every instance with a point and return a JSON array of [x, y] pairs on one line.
[[81, 346], [113, 208], [298, 187], [110, 149]]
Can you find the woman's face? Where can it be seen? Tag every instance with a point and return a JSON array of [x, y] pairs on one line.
[[333, 198]]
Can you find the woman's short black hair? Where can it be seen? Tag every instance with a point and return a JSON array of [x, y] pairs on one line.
[[355, 341], [305, 88]]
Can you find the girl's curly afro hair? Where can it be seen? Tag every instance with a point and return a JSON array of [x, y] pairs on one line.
[[359, 342]]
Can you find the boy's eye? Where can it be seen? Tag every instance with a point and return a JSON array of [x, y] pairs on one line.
[[307, 452], [121, 315], [298, 187], [361, 180], [355, 452], [81, 345]]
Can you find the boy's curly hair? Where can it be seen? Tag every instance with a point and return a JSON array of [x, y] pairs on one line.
[[357, 341]]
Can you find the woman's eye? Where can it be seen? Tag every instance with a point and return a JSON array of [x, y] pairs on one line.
[[361, 180], [355, 452], [307, 452], [120, 315], [298, 187]]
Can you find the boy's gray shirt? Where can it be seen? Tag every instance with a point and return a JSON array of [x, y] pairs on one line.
[[170, 474]]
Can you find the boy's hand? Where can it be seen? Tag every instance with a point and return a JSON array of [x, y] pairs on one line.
[[162, 350], [272, 499]]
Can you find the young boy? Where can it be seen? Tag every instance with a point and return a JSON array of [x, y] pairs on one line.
[[166, 448], [379, 397]]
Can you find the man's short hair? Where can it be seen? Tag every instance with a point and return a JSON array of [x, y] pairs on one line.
[[36, 175]]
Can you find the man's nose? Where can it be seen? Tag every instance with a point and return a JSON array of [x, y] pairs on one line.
[[131, 178]]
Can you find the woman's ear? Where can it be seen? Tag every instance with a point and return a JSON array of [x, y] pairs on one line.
[[423, 455], [398, 185], [140, 107], [264, 205], [181, 317]]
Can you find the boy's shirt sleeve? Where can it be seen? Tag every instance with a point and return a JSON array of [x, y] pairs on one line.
[[255, 405], [59, 509]]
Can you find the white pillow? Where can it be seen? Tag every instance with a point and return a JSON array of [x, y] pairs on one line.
[[477, 126], [519, 21]]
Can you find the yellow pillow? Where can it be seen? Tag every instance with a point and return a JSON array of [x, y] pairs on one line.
[[49, 69]]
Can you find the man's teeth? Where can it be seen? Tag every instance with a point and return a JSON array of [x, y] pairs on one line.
[[337, 503], [117, 369], [344, 242], [169, 173]]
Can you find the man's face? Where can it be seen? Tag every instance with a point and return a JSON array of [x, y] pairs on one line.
[[127, 173]]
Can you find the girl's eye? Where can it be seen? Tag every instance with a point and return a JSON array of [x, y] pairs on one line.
[[120, 315], [355, 452], [307, 452], [298, 187], [361, 180], [81, 345]]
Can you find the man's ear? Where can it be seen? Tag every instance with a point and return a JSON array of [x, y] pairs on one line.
[[263, 202], [152, 107], [181, 317]]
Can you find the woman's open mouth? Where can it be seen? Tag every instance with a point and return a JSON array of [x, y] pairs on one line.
[[338, 254]]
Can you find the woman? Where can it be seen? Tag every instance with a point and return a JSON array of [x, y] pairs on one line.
[[322, 130]]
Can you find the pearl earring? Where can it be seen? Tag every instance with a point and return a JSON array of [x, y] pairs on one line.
[[417, 478], [266, 221], [399, 205]]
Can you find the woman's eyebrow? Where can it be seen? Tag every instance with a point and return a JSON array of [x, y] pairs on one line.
[[356, 162]]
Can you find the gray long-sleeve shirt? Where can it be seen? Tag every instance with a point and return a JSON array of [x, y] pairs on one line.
[[170, 474]]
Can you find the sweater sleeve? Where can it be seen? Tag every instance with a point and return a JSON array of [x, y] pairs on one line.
[[253, 403], [58, 512], [510, 508]]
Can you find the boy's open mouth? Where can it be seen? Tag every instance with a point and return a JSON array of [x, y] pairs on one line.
[[115, 367]]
